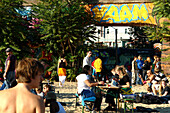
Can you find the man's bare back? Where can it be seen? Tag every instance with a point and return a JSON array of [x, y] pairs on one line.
[[15, 100]]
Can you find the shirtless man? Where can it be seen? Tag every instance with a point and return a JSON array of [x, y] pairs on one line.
[[149, 79], [19, 99]]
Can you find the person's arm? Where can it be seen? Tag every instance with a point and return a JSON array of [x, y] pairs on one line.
[[7, 68], [152, 77], [65, 61], [58, 65], [100, 63], [166, 92], [140, 76], [154, 62], [126, 86], [40, 106], [88, 83]]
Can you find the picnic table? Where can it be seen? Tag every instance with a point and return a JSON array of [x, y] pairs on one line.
[[113, 88]]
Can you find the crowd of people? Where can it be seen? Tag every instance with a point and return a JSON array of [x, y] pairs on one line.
[[143, 72], [26, 75]]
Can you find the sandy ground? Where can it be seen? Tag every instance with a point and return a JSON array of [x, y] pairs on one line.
[[66, 94]]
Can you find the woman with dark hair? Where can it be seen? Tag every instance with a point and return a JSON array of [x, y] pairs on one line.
[[83, 82], [62, 63], [164, 90]]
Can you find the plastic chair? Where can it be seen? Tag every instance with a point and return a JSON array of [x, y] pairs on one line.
[[84, 100], [127, 97]]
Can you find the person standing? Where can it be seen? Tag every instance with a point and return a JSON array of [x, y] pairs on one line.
[[98, 67], [158, 63], [147, 66], [9, 72], [19, 99], [87, 59], [62, 63], [134, 70], [140, 72]]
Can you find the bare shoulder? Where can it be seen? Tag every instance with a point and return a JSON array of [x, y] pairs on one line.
[[6, 93], [7, 98], [35, 99], [34, 102]]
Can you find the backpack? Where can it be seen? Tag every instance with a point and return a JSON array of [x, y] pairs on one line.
[[151, 99]]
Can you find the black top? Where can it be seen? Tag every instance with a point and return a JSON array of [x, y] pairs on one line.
[[147, 65], [62, 64], [12, 59], [124, 80], [135, 65], [166, 89]]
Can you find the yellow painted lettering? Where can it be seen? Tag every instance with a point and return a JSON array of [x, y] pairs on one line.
[[112, 14], [125, 13], [144, 12], [136, 12], [98, 14], [139, 13]]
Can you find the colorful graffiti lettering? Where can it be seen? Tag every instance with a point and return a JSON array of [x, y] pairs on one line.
[[123, 13]]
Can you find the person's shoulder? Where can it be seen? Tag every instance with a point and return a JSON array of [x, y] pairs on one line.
[[5, 95], [64, 60], [81, 76], [34, 99]]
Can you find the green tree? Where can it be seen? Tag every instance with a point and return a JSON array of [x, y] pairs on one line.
[[140, 37], [162, 30], [65, 26], [14, 31]]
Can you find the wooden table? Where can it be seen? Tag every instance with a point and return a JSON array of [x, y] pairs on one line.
[[105, 88], [108, 87]]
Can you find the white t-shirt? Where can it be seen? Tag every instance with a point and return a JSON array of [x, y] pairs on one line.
[[87, 61], [81, 84]]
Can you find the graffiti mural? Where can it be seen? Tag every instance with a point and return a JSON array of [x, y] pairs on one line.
[[124, 13], [125, 56]]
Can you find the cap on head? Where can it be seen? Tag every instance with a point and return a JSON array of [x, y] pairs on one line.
[[8, 50]]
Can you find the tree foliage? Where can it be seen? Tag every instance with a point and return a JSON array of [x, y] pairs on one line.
[[161, 12], [14, 31], [65, 26]]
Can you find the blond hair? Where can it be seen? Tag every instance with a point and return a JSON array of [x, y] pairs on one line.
[[122, 71]]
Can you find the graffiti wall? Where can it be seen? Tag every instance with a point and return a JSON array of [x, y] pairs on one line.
[[123, 13], [125, 56]]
